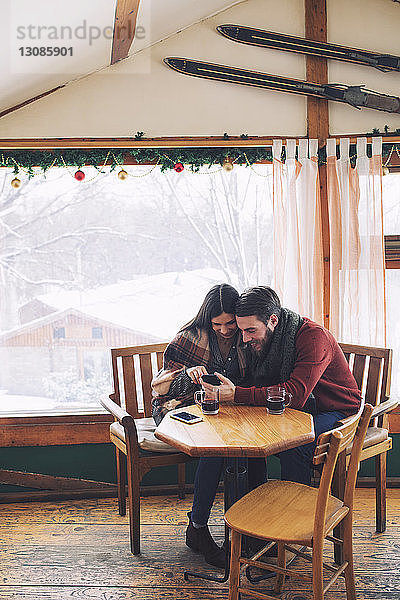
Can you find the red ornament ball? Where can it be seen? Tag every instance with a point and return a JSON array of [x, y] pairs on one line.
[[178, 167], [79, 175]]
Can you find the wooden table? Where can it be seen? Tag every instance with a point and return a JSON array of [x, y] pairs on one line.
[[236, 431]]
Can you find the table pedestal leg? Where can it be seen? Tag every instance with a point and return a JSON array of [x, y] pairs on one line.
[[235, 486]]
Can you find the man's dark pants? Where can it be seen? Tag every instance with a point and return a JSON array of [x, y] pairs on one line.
[[295, 466], [296, 463]]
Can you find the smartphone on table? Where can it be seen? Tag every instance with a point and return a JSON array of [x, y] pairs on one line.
[[211, 379], [186, 417]]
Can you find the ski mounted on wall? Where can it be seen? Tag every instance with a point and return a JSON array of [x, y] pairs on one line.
[[354, 95], [291, 43]]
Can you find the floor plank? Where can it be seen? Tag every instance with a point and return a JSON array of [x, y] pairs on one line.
[[79, 549]]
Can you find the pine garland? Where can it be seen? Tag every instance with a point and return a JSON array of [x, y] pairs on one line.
[[166, 158]]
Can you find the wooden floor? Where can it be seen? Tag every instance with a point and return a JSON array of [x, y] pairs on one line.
[[79, 549]]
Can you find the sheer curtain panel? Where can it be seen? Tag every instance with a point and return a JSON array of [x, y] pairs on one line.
[[357, 282], [298, 256]]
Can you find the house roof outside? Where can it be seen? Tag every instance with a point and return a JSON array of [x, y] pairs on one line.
[[61, 316], [157, 305]]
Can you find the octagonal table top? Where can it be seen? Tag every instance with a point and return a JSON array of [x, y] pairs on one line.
[[237, 430]]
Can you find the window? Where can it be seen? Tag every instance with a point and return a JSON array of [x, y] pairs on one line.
[[59, 333], [137, 255], [391, 227]]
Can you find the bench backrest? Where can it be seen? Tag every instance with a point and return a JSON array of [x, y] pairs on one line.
[[371, 368], [134, 367], [133, 370]]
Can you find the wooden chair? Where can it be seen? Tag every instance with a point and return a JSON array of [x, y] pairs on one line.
[[293, 513], [371, 368], [137, 450]]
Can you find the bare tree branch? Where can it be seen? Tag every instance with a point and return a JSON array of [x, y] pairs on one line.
[[197, 229]]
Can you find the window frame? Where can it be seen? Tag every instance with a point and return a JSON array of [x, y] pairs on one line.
[[392, 251], [392, 261], [82, 428], [54, 430]]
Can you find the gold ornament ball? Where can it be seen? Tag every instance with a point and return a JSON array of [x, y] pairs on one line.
[[227, 165], [385, 170], [122, 175], [16, 183]]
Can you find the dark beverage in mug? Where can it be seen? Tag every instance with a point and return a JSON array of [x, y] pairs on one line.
[[210, 407], [208, 401], [277, 399], [275, 405]]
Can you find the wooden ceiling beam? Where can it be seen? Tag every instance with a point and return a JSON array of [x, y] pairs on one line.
[[159, 142], [126, 12], [125, 142], [315, 15], [167, 142], [124, 31], [12, 109], [316, 70]]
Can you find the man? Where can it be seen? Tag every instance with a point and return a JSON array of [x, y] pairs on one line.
[[293, 351], [304, 358]]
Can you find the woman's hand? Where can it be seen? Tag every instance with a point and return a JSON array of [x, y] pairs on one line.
[[195, 373], [226, 389]]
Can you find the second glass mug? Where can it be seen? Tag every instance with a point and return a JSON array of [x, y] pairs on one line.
[[208, 401], [277, 399]]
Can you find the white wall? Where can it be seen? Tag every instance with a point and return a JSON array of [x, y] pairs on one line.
[[142, 94], [370, 25]]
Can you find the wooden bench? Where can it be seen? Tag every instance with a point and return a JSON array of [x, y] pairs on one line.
[[371, 368], [137, 450]]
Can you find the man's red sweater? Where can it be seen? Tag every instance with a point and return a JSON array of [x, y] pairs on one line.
[[321, 368]]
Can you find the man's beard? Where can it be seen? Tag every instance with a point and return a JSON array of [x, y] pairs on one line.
[[264, 348]]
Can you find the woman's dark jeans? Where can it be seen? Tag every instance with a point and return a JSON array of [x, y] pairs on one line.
[[207, 479]]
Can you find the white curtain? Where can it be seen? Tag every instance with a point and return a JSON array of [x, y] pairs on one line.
[[298, 256], [357, 284]]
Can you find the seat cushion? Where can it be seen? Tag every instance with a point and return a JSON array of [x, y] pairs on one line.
[[374, 435], [146, 438]]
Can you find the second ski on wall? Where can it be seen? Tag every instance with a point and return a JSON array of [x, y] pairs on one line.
[[354, 95], [291, 43]]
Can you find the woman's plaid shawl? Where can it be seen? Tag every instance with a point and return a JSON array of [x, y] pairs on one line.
[[172, 386]]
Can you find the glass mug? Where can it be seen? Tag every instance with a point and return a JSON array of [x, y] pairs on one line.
[[208, 401], [277, 399]]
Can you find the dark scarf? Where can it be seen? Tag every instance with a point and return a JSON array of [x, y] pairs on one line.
[[277, 362]]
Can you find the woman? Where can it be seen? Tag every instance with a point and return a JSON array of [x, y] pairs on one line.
[[209, 342]]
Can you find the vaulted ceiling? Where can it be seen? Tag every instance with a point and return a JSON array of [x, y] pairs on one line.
[[100, 33]]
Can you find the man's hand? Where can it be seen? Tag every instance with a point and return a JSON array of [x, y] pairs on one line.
[[226, 389], [195, 373]]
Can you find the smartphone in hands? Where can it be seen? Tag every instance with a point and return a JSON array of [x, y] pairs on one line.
[[211, 379]]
